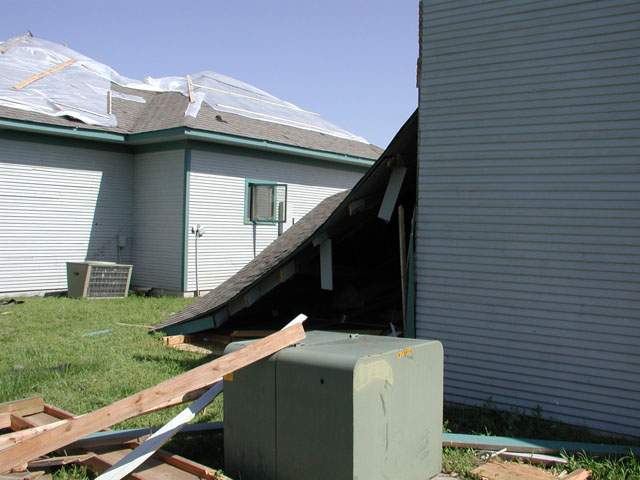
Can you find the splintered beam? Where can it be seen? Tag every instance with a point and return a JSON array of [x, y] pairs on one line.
[[391, 194]]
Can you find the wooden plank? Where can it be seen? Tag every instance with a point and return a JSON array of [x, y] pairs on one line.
[[192, 98], [580, 474], [199, 377], [26, 406], [21, 476], [40, 419], [403, 266], [6, 48], [175, 339], [510, 470], [59, 461], [188, 347], [154, 469], [19, 423], [138, 456], [57, 412], [100, 463], [326, 265], [190, 466], [148, 327], [5, 420], [391, 193], [34, 78], [9, 439]]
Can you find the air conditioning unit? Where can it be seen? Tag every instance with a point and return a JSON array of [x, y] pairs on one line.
[[336, 406], [98, 279]]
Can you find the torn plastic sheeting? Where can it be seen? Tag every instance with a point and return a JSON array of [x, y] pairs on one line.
[[226, 94], [78, 90]]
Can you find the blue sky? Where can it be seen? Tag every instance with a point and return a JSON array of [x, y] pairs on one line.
[[352, 61]]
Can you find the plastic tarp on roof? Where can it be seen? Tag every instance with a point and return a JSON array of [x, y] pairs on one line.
[[79, 90]]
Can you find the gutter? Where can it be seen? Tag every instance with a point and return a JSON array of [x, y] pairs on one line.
[[97, 135], [182, 133]]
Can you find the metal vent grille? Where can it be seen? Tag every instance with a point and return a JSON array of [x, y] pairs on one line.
[[108, 281]]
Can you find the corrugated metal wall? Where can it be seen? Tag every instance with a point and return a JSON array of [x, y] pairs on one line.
[[158, 197], [216, 201], [59, 204], [528, 239]]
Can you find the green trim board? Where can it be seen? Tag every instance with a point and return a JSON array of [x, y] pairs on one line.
[[193, 326], [160, 147], [526, 445], [75, 132], [181, 133], [273, 155], [48, 139], [411, 294], [278, 147], [185, 218]]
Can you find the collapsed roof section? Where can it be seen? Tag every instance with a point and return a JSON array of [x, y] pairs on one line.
[[363, 266], [40, 76]]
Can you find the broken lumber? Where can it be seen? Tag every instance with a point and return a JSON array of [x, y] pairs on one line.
[[32, 79], [138, 456], [26, 406], [505, 470], [202, 376], [580, 474], [5, 48], [118, 437], [192, 98], [59, 461]]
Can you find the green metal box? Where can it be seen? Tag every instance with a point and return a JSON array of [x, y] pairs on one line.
[[337, 406]]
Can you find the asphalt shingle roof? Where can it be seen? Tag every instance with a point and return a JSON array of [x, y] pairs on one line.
[[165, 110], [264, 263]]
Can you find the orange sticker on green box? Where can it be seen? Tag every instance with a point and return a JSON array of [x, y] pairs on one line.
[[405, 352]]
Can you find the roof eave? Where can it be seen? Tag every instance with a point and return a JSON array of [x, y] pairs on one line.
[[182, 133], [61, 131]]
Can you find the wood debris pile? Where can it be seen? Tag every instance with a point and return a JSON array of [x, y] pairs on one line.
[[36, 429]]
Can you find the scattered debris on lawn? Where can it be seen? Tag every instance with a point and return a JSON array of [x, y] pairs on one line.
[[501, 470], [525, 445], [100, 332], [37, 429], [148, 327], [13, 301]]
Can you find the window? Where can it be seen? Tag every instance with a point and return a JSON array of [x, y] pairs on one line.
[[265, 202]]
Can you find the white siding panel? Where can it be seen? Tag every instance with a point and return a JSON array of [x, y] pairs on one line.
[[59, 204], [528, 245], [158, 216], [216, 201]]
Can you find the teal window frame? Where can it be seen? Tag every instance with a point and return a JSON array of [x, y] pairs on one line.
[[248, 183]]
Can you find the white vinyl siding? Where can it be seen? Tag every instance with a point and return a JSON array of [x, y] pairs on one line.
[[528, 232], [217, 202], [59, 204], [158, 197]]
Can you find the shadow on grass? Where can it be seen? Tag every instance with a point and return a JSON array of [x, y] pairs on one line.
[[520, 423], [184, 364], [205, 449]]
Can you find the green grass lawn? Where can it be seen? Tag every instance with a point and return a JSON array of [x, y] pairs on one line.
[[43, 352]]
